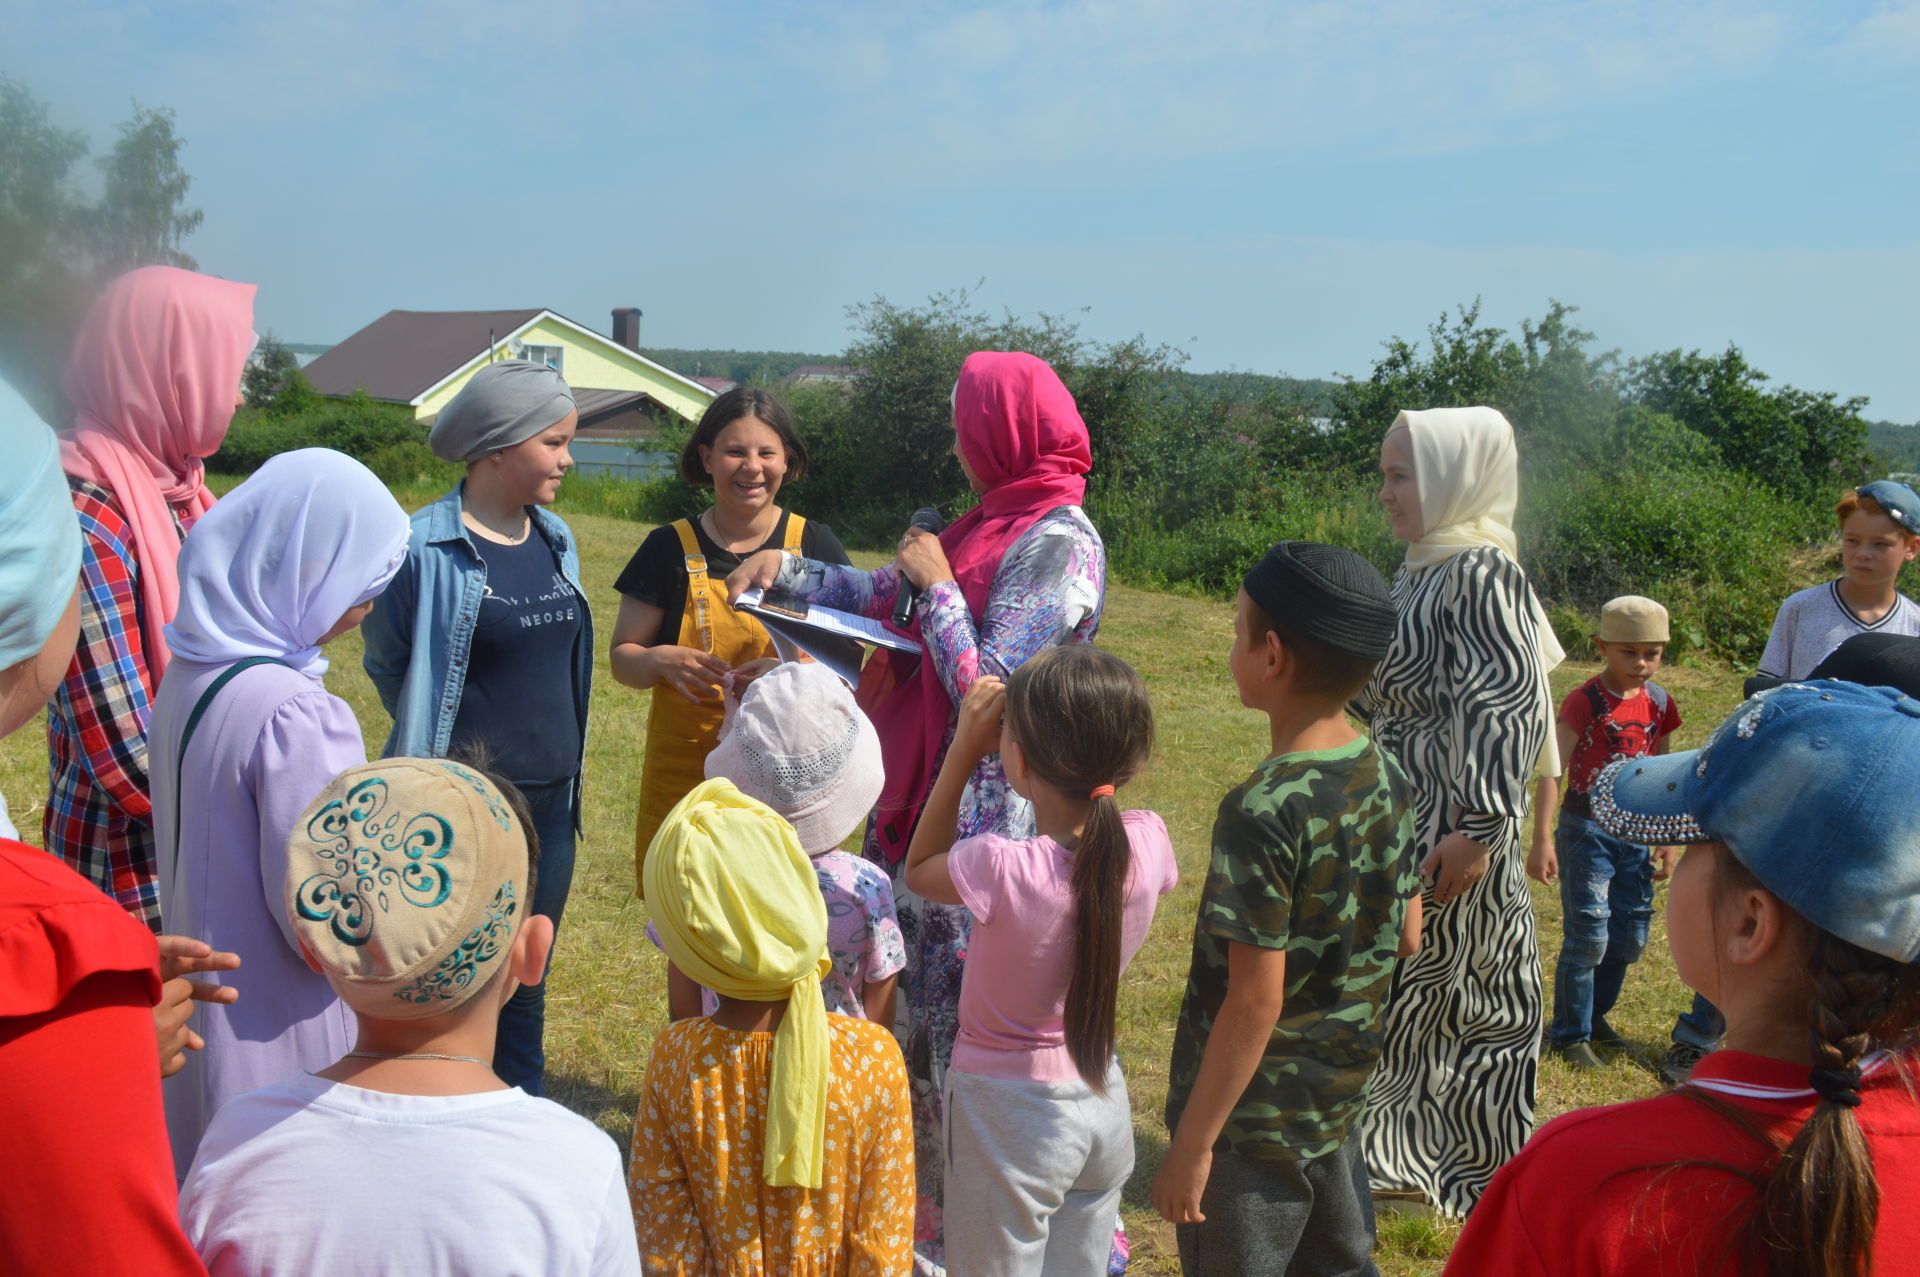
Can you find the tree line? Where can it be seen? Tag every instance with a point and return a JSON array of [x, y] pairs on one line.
[[1686, 475]]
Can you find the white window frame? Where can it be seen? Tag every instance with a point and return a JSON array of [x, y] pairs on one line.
[[554, 357]]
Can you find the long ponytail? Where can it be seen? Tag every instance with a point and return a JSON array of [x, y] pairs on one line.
[[1084, 725]]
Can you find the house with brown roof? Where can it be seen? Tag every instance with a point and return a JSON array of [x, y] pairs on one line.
[[421, 358]]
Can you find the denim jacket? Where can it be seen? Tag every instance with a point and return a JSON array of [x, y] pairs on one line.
[[421, 628]]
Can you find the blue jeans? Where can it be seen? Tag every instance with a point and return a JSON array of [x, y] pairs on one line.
[[519, 1053], [1606, 905]]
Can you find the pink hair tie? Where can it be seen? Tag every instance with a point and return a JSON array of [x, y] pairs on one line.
[[1101, 791]]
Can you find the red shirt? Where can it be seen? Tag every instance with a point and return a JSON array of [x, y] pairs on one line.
[[1589, 1197], [86, 1185], [1611, 727]]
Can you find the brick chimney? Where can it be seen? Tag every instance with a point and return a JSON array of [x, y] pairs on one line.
[[626, 327]]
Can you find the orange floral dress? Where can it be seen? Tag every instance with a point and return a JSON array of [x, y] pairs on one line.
[[700, 1204]]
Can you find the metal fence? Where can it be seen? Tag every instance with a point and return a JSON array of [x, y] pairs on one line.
[[619, 458]]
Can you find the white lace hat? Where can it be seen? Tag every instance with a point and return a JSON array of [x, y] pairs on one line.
[[799, 744]]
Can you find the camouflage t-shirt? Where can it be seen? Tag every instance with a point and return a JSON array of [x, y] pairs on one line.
[[1314, 854]]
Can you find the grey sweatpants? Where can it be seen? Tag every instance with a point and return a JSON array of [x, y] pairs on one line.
[[1283, 1219], [1034, 1173]]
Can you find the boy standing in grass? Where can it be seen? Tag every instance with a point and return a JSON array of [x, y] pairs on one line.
[[1606, 883], [1879, 534], [408, 884], [1310, 897]]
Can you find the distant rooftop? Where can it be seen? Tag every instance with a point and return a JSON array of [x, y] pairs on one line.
[[404, 353]]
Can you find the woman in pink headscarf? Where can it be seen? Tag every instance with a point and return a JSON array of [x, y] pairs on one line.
[[155, 378], [1022, 571]]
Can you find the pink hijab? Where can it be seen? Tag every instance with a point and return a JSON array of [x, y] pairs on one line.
[[1023, 437], [153, 377]]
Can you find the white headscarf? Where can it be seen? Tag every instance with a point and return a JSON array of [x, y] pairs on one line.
[[274, 564], [1467, 472]]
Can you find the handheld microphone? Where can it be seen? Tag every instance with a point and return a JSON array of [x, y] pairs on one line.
[[927, 519]]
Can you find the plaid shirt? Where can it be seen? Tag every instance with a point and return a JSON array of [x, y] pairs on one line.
[[99, 818]]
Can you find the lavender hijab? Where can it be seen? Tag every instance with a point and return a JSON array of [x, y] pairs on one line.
[[279, 560]]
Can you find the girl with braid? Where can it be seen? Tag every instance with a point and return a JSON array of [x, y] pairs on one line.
[[1039, 1130], [1794, 1151]]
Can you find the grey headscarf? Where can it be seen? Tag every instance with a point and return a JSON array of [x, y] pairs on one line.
[[503, 404]]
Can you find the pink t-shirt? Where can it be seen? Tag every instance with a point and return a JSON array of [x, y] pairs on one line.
[[1013, 996]]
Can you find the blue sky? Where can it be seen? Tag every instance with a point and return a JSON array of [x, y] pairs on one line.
[[1275, 187]]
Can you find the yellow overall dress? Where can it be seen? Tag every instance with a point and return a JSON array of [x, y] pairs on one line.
[[680, 733]]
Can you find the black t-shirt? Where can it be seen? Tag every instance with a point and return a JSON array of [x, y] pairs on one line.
[[518, 699], [657, 572]]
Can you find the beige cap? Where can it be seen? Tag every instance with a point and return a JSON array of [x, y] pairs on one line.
[[1633, 619], [407, 879]]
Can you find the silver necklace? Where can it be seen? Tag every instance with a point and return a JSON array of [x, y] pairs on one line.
[[414, 1055]]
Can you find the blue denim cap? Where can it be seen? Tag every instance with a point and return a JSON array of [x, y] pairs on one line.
[[1812, 787], [1900, 502]]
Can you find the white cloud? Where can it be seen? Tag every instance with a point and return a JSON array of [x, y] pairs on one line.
[[1888, 34]]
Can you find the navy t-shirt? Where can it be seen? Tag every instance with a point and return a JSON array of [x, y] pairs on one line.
[[518, 701]]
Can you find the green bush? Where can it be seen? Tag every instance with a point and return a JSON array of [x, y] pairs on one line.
[[357, 426], [1716, 547], [411, 464]]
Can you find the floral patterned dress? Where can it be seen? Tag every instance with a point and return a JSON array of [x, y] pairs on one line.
[[700, 1203], [1049, 590]]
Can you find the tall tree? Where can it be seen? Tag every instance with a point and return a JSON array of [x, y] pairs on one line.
[[268, 373], [141, 220], [57, 250]]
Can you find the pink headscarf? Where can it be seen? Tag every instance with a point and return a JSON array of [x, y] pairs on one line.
[[1023, 437], [154, 374]]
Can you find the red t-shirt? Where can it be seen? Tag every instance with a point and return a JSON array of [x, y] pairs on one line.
[[86, 1185], [1590, 1195], [1611, 727]]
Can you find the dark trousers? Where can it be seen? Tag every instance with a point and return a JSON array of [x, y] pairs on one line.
[[1283, 1219], [1701, 1025], [519, 1053]]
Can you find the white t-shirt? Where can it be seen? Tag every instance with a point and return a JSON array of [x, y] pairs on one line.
[[1811, 623], [311, 1176]]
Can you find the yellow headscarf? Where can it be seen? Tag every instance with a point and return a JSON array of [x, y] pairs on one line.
[[738, 908]]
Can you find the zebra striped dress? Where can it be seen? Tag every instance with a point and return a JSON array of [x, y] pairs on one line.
[[1459, 701]]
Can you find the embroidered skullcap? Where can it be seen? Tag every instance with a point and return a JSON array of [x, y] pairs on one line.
[[39, 533], [738, 908], [797, 742], [503, 404], [407, 880], [1326, 593]]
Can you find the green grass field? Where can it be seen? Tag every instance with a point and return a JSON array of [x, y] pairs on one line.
[[607, 996]]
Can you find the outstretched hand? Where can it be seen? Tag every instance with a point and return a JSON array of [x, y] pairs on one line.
[[978, 732], [756, 572]]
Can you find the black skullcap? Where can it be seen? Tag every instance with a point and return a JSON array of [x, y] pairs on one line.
[[1326, 593], [1875, 660]]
